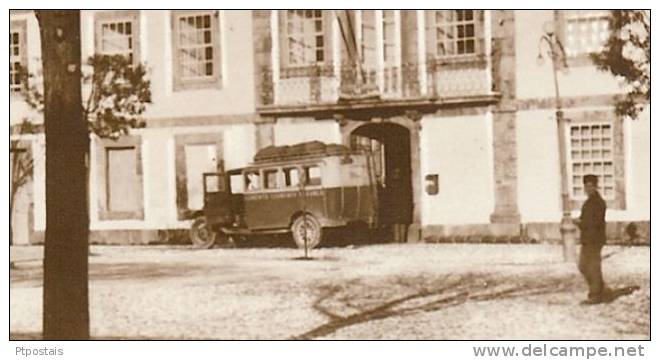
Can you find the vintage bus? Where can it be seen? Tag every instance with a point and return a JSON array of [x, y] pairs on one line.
[[302, 189]]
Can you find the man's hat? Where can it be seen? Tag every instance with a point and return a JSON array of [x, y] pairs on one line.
[[590, 179]]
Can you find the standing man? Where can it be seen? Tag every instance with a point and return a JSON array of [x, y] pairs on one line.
[[592, 238]]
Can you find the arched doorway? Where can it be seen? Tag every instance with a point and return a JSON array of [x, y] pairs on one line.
[[389, 146]]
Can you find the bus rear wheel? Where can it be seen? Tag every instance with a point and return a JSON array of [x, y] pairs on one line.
[[306, 230]]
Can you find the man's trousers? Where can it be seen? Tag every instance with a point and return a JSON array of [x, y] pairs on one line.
[[590, 268]]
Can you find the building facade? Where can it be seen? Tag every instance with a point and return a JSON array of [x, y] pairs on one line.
[[454, 103]]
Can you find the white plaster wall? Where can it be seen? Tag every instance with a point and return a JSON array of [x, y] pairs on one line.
[[539, 182], [289, 133], [159, 173], [235, 96], [459, 150], [237, 93], [637, 141], [536, 81], [39, 182]]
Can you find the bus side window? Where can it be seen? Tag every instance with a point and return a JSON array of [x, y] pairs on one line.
[[252, 181], [291, 177], [214, 183], [271, 179], [312, 175], [236, 183]]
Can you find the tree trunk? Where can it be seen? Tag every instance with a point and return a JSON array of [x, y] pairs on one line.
[[65, 296]]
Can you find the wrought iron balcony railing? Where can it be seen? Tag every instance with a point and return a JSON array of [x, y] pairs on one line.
[[458, 76], [327, 84]]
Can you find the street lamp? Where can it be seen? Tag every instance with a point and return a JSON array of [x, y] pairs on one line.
[[556, 53]]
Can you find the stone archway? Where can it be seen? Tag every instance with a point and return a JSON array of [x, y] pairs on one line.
[[399, 137]]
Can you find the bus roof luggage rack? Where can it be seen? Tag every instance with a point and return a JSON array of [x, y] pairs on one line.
[[302, 150]]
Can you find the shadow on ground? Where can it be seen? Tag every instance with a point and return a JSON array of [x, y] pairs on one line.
[[31, 274], [351, 304]]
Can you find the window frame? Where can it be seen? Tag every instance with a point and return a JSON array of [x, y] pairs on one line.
[[395, 42], [578, 59], [264, 179], [117, 16], [433, 41], [19, 26], [577, 117], [317, 69], [286, 171], [247, 181], [387, 68], [305, 172], [314, 36], [203, 82], [592, 161]]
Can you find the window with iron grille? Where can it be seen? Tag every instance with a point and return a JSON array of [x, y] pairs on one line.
[[586, 31], [196, 47], [17, 57], [304, 37], [592, 153], [454, 32]]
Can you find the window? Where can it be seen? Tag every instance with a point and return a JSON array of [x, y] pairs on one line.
[[291, 177], [592, 153], [368, 32], [304, 37], [453, 32], [236, 183], [17, 56], [312, 175], [271, 179], [117, 34], [252, 181], [389, 38], [196, 47], [586, 31], [368, 49]]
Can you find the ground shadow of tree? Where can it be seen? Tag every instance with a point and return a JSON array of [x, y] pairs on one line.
[[443, 293]]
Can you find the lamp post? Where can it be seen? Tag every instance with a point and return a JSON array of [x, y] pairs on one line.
[[555, 51]]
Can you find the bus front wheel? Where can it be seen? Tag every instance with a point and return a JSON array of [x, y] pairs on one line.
[[306, 230], [201, 235]]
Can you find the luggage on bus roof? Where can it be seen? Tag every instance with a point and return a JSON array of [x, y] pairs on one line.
[[306, 149]]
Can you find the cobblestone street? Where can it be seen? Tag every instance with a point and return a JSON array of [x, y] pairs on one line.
[[392, 291]]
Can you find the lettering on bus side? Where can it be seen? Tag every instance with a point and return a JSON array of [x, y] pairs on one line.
[[282, 195]]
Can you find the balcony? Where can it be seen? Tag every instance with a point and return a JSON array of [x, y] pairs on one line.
[[326, 87], [458, 76]]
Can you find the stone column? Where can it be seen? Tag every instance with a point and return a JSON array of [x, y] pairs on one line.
[[415, 127], [262, 46], [505, 217], [505, 168]]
